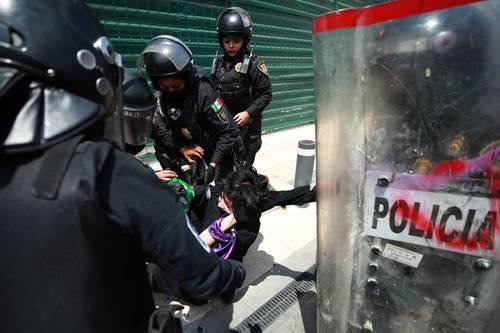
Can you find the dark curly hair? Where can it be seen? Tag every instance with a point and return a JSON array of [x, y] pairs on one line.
[[247, 190]]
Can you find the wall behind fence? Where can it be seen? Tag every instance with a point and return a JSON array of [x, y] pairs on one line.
[[281, 37]]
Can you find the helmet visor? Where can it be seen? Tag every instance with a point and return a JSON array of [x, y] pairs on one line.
[[168, 46], [245, 18], [137, 126]]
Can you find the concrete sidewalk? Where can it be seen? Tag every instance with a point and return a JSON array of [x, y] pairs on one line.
[[276, 262]]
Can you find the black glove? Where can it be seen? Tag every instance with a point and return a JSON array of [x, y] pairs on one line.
[[209, 175], [179, 190], [238, 152]]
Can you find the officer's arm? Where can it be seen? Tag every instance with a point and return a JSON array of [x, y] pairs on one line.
[[143, 207], [261, 87], [163, 135], [220, 120]]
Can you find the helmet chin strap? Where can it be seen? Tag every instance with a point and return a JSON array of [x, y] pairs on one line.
[[239, 56], [229, 58]]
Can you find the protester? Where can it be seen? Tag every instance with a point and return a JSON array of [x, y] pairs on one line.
[[230, 214], [230, 217]]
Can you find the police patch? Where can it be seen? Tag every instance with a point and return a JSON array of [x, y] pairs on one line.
[[186, 133], [219, 110], [263, 68], [237, 67], [222, 115]]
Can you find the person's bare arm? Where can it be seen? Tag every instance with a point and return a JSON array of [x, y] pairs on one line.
[[226, 224]]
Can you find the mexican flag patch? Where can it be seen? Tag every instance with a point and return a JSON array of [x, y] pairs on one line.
[[217, 105]]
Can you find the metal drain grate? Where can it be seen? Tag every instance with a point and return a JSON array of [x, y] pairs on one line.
[[265, 315]]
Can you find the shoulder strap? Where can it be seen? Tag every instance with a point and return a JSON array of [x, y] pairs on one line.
[[246, 62], [54, 164], [214, 63]]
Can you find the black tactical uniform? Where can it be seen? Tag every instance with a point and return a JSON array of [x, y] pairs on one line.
[[242, 80], [80, 217], [192, 115], [201, 118]]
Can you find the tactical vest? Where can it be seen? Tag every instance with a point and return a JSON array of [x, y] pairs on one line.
[[66, 267], [190, 124], [235, 88]]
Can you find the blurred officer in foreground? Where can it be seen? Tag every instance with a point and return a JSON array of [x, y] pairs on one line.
[[80, 217], [192, 122], [241, 78]]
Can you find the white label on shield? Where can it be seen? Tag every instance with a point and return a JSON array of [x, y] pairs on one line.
[[455, 222], [402, 255]]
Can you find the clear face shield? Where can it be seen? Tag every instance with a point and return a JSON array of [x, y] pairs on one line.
[[113, 125], [139, 105], [127, 124], [137, 125]]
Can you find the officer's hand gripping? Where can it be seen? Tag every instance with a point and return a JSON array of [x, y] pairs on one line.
[[188, 152], [210, 174]]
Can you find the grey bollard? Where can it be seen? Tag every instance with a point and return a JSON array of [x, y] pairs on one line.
[[305, 163]]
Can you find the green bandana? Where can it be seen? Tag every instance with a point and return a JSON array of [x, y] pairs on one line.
[[183, 190]]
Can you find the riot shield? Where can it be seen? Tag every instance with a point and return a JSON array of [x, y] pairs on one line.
[[408, 164]]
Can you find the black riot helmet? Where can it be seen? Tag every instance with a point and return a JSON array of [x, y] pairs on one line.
[[234, 21], [58, 72], [139, 105], [167, 56]]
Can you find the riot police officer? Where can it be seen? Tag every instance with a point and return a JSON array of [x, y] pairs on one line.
[[139, 105], [80, 217], [191, 121], [241, 78]]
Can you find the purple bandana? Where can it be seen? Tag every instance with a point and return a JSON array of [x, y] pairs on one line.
[[225, 240]]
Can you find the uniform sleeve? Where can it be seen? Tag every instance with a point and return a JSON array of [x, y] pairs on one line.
[[145, 208], [245, 236], [298, 196], [219, 119], [261, 87], [163, 135]]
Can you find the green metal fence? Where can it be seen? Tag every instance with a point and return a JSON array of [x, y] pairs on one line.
[[281, 37]]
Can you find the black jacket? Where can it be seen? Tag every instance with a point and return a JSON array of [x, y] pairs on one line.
[[203, 120], [76, 262], [250, 91]]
